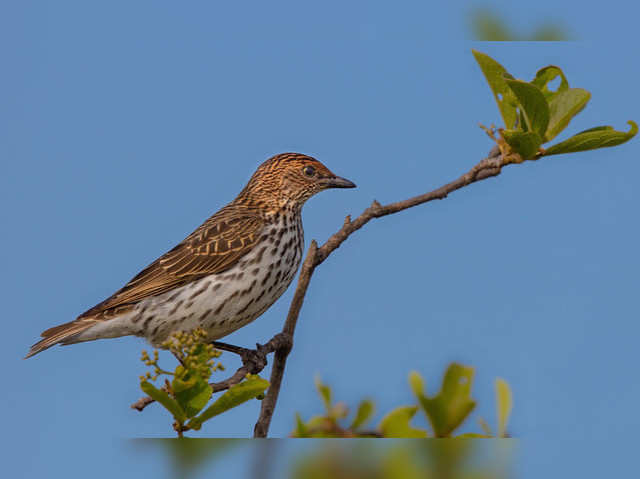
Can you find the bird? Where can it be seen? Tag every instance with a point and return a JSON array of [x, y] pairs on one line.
[[223, 275]]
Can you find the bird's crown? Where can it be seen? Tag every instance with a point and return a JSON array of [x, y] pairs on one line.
[[288, 180]]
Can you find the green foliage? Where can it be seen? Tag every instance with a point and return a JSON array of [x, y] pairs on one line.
[[445, 411], [488, 25], [365, 410], [407, 459], [534, 108], [163, 398], [496, 76], [396, 423], [189, 391], [597, 137], [237, 394], [504, 404], [534, 114], [329, 425], [325, 393], [452, 404]]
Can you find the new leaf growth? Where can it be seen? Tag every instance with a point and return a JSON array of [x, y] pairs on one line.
[[533, 114], [445, 411], [186, 395]]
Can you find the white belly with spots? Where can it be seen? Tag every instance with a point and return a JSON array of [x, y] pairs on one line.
[[222, 303]]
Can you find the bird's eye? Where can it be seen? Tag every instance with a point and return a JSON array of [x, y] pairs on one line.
[[309, 171]]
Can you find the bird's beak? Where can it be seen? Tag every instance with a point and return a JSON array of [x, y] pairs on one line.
[[337, 182]]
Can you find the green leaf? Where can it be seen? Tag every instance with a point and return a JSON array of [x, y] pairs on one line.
[[301, 428], [453, 404], [325, 393], [363, 414], [186, 458], [163, 398], [317, 426], [533, 104], [563, 107], [319, 423], [398, 463], [504, 404], [234, 396], [192, 395], [396, 423], [525, 143], [593, 138], [495, 76], [564, 102], [547, 74], [417, 383]]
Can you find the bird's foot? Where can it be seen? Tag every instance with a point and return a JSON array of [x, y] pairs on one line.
[[255, 360], [229, 347]]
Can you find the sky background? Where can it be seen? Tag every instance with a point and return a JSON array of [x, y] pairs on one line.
[[123, 125]]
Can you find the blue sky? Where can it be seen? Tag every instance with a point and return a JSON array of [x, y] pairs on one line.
[[124, 125]]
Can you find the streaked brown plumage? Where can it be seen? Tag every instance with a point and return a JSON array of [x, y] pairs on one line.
[[224, 274]]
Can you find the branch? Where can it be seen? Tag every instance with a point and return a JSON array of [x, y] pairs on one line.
[[489, 167]]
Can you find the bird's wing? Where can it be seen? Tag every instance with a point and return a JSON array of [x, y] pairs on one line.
[[214, 247]]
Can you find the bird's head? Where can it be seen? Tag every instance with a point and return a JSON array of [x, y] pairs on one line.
[[290, 179]]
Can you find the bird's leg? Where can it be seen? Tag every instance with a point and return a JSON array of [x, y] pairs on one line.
[[256, 359], [229, 348], [253, 359]]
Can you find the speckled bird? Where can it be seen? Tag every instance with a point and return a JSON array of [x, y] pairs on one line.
[[223, 275]]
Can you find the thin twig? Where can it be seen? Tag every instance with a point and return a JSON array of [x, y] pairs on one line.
[[487, 168]]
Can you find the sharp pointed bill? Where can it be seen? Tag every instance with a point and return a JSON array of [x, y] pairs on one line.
[[337, 182]]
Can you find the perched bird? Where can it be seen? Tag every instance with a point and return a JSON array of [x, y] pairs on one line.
[[223, 275]]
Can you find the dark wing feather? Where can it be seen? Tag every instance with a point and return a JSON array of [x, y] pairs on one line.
[[214, 247]]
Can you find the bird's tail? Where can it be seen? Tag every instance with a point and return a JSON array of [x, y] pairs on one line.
[[59, 334]]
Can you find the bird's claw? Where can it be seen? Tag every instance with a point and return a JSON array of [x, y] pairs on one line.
[[254, 360]]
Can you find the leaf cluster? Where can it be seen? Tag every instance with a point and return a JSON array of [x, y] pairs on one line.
[[534, 113], [407, 459], [188, 392], [445, 411]]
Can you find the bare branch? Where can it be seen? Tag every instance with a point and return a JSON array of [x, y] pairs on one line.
[[487, 168], [277, 371]]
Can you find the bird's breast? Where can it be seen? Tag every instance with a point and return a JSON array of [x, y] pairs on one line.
[[221, 303]]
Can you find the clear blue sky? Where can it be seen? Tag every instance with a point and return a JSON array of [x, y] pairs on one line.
[[123, 125]]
